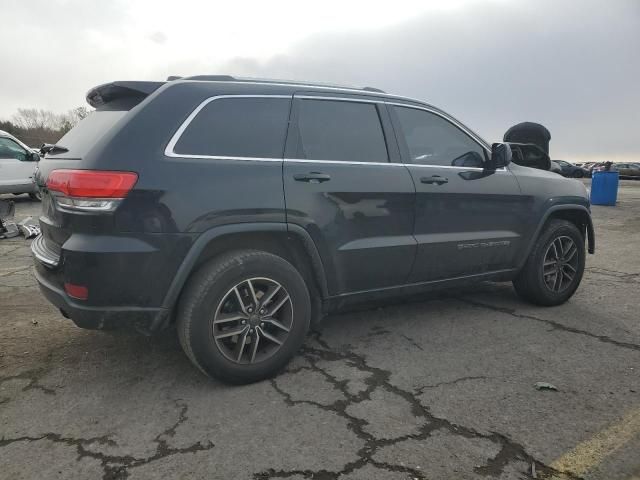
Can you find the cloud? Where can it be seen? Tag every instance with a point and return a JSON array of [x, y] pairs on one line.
[[158, 37], [571, 65]]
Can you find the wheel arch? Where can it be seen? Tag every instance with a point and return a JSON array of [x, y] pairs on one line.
[[579, 215], [293, 244]]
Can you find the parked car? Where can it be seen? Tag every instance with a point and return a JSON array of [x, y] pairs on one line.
[[594, 167], [18, 164], [555, 167], [244, 210], [627, 170], [571, 170]]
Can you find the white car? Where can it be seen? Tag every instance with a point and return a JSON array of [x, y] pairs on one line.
[[18, 164]]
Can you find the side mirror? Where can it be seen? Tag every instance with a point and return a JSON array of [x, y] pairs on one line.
[[33, 157], [500, 155]]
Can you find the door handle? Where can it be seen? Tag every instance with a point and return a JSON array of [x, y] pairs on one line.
[[437, 179], [312, 177]]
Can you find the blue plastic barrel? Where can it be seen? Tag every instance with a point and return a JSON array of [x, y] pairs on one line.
[[604, 188]]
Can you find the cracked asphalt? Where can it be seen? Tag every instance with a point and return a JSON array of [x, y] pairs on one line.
[[438, 387]]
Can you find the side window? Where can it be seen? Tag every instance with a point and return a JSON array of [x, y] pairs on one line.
[[10, 149], [237, 127], [432, 140], [340, 130]]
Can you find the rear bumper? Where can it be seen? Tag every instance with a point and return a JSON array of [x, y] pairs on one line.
[[126, 278], [145, 320]]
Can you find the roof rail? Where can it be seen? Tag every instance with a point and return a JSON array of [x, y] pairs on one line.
[[373, 89], [212, 78], [229, 78]]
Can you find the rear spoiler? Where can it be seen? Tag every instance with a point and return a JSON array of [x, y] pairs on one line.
[[109, 92]]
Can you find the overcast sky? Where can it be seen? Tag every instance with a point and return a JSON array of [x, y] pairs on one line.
[[572, 65]]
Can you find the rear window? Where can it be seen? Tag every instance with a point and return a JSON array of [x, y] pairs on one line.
[[81, 138], [237, 127]]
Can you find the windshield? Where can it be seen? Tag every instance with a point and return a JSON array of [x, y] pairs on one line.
[[81, 138]]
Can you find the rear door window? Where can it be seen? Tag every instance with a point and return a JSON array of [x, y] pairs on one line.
[[340, 130], [253, 127]]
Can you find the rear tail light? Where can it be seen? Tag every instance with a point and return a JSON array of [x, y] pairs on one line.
[[90, 190]]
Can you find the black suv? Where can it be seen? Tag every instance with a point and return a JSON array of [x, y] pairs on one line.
[[244, 210]]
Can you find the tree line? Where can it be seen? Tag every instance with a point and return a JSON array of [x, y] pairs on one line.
[[35, 126]]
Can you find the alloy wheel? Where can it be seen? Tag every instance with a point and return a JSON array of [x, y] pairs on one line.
[[560, 264], [252, 320]]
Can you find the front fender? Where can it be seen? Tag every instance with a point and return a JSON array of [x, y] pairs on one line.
[[591, 238]]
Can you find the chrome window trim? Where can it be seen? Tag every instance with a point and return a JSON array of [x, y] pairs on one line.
[[169, 150], [391, 164], [339, 99], [454, 122], [343, 162], [220, 157], [481, 143]]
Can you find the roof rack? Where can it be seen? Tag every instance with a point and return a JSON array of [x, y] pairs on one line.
[[229, 78]]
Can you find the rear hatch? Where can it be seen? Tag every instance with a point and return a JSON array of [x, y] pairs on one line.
[[76, 150]]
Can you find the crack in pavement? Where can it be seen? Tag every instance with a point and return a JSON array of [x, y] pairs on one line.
[[15, 249], [34, 377], [412, 341], [613, 273], [6, 272], [553, 323], [116, 467], [510, 451], [421, 390]]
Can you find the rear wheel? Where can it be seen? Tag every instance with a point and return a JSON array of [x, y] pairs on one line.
[[243, 316], [555, 265]]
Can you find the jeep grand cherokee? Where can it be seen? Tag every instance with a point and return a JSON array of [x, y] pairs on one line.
[[244, 210]]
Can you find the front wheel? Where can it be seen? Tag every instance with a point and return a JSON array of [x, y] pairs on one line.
[[36, 196], [243, 316], [555, 265]]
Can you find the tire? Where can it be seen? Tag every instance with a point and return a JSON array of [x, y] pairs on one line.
[[533, 285], [35, 196], [217, 288]]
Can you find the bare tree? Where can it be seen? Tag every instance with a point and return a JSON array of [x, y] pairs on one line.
[[72, 118], [37, 119], [36, 126]]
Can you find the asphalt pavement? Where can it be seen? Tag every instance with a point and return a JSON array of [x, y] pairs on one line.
[[441, 387]]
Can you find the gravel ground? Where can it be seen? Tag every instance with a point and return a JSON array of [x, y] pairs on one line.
[[438, 388]]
